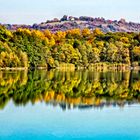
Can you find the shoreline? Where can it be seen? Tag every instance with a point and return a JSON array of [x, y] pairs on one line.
[[96, 66], [14, 68]]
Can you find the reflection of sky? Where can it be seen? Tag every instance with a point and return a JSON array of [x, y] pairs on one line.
[[30, 11], [41, 122]]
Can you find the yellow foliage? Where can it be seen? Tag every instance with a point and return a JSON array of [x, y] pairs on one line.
[[26, 31], [38, 34], [48, 34], [60, 35], [100, 44], [136, 50], [9, 33], [124, 39], [124, 95], [97, 31], [85, 32], [136, 86], [74, 32]]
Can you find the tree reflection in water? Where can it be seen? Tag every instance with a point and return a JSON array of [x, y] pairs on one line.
[[78, 89]]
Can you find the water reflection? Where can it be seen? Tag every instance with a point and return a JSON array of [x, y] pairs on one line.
[[79, 89]]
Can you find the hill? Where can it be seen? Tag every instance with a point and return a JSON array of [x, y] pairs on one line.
[[69, 22]]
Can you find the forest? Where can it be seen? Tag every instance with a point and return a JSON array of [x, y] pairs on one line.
[[78, 48]]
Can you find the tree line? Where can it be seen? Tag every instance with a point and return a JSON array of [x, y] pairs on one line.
[[34, 48]]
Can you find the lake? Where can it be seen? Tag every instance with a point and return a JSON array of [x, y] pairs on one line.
[[81, 105]]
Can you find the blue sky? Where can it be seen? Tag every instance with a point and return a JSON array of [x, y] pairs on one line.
[[36, 11]]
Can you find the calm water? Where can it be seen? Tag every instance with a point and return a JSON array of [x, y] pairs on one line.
[[83, 105]]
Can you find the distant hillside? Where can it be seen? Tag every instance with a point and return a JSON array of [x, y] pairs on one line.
[[69, 22]]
